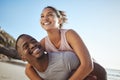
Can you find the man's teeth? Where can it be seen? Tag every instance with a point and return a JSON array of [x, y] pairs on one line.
[[36, 50]]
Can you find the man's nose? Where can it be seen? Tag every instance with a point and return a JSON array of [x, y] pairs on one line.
[[31, 46]]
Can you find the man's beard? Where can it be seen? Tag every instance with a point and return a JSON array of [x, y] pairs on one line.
[[43, 53]]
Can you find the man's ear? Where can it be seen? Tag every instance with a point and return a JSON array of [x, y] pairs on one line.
[[23, 58]]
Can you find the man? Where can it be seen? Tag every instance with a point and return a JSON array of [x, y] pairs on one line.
[[50, 66]]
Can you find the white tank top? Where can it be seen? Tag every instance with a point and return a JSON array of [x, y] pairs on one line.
[[64, 46]]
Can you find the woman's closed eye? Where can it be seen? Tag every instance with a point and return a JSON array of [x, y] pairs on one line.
[[41, 16], [50, 14]]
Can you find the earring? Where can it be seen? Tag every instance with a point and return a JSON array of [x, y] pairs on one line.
[[45, 52]]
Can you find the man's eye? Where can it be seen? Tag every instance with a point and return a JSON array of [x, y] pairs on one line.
[[33, 42], [25, 47]]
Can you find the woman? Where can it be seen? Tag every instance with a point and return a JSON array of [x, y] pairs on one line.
[[59, 39], [52, 21]]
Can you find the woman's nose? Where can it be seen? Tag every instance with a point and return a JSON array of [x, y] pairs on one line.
[[45, 18]]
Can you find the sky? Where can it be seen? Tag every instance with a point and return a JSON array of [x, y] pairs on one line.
[[96, 21]]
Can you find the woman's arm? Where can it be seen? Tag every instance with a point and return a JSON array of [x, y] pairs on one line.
[[31, 73], [81, 51]]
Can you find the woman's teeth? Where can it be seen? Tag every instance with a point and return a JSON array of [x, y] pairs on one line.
[[47, 23]]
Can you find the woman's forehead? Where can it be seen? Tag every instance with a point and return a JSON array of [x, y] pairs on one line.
[[46, 10]]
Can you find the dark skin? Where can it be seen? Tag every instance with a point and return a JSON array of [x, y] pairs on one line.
[[26, 49]]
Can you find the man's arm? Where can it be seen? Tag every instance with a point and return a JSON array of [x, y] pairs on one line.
[[31, 73]]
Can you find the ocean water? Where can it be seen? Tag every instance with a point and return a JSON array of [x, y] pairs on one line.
[[113, 74]]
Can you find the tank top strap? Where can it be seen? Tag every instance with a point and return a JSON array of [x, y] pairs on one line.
[[64, 44]]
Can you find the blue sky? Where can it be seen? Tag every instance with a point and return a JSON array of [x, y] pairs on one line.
[[96, 21]]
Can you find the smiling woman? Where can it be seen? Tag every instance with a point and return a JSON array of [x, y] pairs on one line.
[[59, 39], [45, 16]]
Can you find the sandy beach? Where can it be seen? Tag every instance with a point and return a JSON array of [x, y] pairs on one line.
[[12, 70]]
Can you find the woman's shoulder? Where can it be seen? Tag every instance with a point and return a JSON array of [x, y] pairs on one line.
[[70, 31], [71, 34], [42, 42], [67, 30]]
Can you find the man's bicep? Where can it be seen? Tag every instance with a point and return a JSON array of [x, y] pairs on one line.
[[31, 73]]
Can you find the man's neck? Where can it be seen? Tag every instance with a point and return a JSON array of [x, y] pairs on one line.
[[42, 63]]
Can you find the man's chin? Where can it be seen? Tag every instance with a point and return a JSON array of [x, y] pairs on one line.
[[37, 56], [40, 57]]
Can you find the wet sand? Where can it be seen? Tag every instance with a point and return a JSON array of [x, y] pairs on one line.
[[12, 70]]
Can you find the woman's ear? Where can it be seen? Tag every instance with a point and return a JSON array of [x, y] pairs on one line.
[[60, 21]]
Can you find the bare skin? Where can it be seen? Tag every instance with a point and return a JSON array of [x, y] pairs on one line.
[[29, 50], [50, 22]]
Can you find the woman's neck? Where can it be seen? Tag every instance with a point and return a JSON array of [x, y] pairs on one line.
[[55, 37], [52, 32]]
